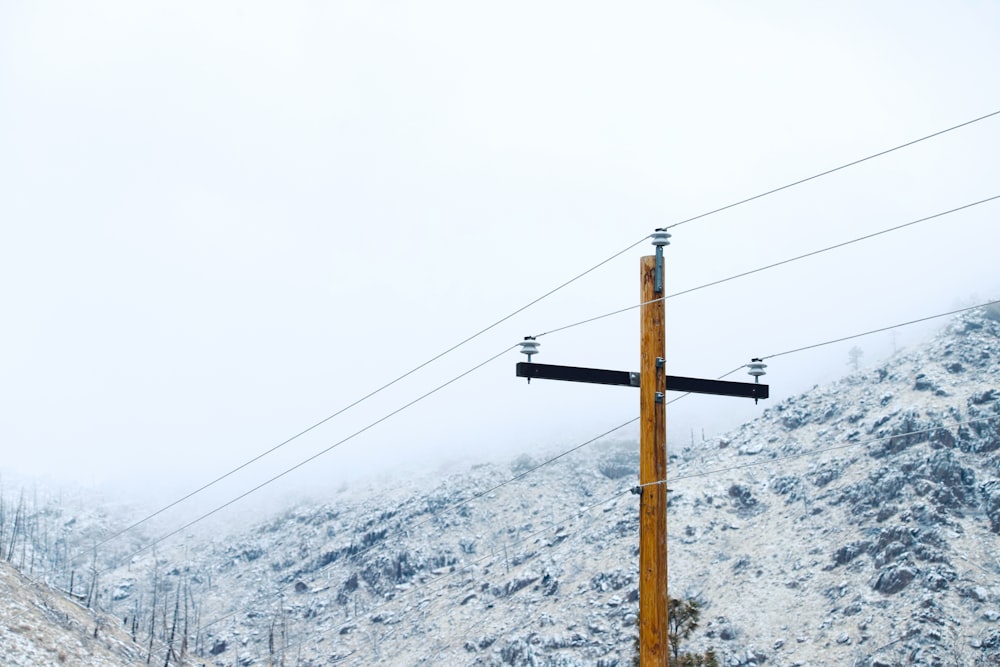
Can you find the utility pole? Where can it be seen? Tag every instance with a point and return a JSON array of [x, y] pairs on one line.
[[653, 597], [653, 383]]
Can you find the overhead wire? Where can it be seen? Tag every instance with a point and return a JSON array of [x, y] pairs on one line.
[[835, 169], [869, 332], [313, 457], [533, 302], [713, 471], [474, 497], [812, 452], [433, 585], [505, 318], [783, 262], [364, 398], [704, 473], [442, 579], [438, 582], [817, 452], [772, 356], [562, 454], [583, 444], [854, 336], [671, 480], [881, 329]]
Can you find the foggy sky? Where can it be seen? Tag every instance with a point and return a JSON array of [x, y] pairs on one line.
[[222, 222]]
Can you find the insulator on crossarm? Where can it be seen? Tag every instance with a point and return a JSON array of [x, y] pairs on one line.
[[756, 369], [529, 346]]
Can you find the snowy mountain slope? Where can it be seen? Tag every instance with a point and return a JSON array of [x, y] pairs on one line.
[[879, 550], [856, 524], [42, 627]]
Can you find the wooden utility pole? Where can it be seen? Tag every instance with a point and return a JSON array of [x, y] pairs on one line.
[[653, 598], [653, 383]]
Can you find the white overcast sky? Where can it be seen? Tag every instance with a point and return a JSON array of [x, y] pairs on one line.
[[223, 221]]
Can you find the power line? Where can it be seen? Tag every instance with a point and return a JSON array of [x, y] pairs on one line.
[[770, 461], [770, 356], [671, 480], [590, 441], [435, 584], [824, 450], [830, 171], [691, 475], [364, 398], [314, 456], [771, 266], [881, 329], [551, 459], [517, 311], [474, 497], [501, 320], [507, 317], [858, 335]]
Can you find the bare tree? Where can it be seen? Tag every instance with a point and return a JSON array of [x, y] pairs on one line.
[[197, 625], [152, 613], [18, 518], [92, 592], [32, 529], [136, 610], [184, 634], [173, 628]]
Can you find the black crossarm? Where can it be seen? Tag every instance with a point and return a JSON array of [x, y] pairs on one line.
[[628, 379]]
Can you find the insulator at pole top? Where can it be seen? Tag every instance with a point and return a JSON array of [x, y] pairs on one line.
[[661, 237], [756, 368]]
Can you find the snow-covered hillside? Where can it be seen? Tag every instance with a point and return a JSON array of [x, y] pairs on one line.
[[856, 524], [42, 627]]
